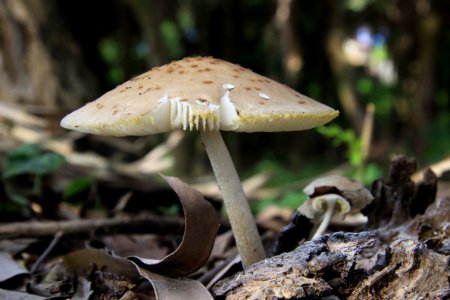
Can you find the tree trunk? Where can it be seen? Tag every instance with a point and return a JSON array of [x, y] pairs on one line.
[[39, 62]]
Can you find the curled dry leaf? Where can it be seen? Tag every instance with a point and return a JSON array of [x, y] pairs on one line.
[[199, 235], [175, 288], [165, 287]]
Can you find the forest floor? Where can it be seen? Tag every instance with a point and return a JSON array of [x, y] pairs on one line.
[[75, 225]]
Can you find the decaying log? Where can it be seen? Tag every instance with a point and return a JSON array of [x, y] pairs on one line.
[[332, 266], [405, 255], [412, 271], [317, 268]]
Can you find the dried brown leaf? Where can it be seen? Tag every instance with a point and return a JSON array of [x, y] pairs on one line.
[[198, 239], [199, 235], [176, 288], [82, 261]]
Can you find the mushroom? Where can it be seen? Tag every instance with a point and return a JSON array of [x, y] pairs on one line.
[[333, 195], [208, 95]]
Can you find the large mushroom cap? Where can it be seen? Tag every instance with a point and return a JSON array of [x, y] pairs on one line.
[[351, 190], [199, 93]]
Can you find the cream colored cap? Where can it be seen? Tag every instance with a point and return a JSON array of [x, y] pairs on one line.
[[199, 93], [351, 190]]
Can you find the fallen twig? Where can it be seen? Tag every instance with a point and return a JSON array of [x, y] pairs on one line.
[[142, 223]]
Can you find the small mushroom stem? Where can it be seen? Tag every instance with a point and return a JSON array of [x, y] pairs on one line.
[[241, 219], [326, 218], [328, 204]]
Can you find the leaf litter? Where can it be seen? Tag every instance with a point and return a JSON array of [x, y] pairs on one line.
[[407, 233], [112, 277]]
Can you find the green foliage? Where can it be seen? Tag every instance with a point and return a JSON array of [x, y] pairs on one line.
[[172, 210], [280, 174], [17, 199], [347, 138], [28, 159], [172, 38], [287, 179], [77, 186], [290, 199], [381, 95], [109, 49], [437, 132], [357, 5]]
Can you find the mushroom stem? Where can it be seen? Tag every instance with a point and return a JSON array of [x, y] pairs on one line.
[[241, 219], [327, 204], [326, 218]]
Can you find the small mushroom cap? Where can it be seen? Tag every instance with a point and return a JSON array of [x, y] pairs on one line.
[[321, 203], [358, 196], [200, 93], [313, 208]]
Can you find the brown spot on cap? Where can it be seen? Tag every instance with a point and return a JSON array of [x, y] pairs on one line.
[[301, 102], [207, 81], [194, 66]]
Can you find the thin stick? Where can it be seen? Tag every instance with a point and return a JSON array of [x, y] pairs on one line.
[[47, 251], [366, 138], [144, 223]]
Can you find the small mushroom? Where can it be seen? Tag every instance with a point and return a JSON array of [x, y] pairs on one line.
[[208, 95], [328, 205], [333, 195]]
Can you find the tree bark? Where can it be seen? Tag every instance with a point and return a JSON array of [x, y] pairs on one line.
[[40, 65]]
